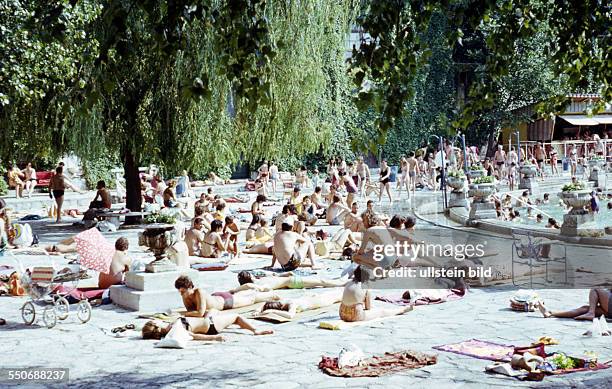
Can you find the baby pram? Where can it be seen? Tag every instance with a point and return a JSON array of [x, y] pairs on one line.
[[47, 287]]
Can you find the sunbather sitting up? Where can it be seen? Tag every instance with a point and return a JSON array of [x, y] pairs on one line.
[[357, 302]]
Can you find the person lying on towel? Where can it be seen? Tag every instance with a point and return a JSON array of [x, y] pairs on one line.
[[197, 303], [287, 280]]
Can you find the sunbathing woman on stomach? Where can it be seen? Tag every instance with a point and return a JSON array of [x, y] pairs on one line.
[[289, 308]]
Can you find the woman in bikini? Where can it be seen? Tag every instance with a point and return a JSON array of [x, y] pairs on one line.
[[202, 328], [197, 303], [15, 179], [213, 245], [290, 308], [287, 280], [357, 303], [250, 231]]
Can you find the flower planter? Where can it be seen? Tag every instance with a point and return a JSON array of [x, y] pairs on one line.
[[457, 183], [577, 200], [482, 192], [528, 170], [476, 173]]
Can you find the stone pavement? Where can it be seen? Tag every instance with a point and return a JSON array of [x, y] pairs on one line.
[[289, 358]]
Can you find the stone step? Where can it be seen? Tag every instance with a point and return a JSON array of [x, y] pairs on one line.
[[142, 281], [149, 301]]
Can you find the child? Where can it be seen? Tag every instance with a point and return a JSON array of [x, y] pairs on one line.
[[220, 210], [262, 233], [230, 232]]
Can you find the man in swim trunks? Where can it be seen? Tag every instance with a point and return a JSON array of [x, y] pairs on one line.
[[287, 280], [500, 161], [198, 303], [290, 248], [413, 171]]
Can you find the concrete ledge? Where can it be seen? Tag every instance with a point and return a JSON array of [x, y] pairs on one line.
[[150, 301], [157, 281]]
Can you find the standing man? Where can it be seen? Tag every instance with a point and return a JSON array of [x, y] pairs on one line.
[[500, 161]]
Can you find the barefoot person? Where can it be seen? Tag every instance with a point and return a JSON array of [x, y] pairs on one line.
[[291, 249], [385, 174], [57, 186], [30, 179], [290, 308], [213, 245], [287, 280], [202, 328], [600, 303], [357, 303], [197, 302]]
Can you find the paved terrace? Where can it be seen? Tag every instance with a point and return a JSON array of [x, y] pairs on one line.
[[289, 358]]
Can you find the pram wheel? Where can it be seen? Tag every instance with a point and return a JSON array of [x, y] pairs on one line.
[[62, 308], [84, 311], [28, 313], [49, 316]]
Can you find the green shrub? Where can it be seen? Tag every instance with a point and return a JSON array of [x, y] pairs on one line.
[[96, 170], [4, 188]]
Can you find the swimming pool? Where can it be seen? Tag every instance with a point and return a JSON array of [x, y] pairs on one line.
[[603, 218]]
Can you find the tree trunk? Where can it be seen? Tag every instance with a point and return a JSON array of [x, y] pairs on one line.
[[133, 196]]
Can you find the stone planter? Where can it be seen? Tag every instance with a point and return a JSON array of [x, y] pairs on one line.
[[577, 200], [457, 183], [482, 192], [528, 171], [578, 221], [158, 237], [528, 180], [476, 173]]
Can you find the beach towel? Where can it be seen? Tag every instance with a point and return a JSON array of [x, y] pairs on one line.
[[272, 317], [160, 316], [210, 266], [424, 298], [377, 366], [339, 324], [480, 349]]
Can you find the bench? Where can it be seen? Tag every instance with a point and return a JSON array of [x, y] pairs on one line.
[[115, 217], [42, 180]]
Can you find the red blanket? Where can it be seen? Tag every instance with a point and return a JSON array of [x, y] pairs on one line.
[[378, 365]]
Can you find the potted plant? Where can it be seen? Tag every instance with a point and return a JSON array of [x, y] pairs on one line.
[[476, 170], [596, 161], [482, 188], [157, 218], [528, 169], [577, 196], [456, 179]]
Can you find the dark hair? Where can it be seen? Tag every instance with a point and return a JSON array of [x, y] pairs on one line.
[[220, 206], [410, 222], [305, 198], [539, 216], [101, 184], [260, 198], [122, 244], [277, 305], [183, 282], [209, 190], [286, 227], [411, 154], [229, 219], [2, 203], [244, 277], [153, 331], [255, 220], [546, 195], [296, 190], [317, 189], [406, 295], [292, 209], [199, 211], [197, 220], [396, 221], [59, 170], [216, 225], [525, 193], [285, 209], [359, 275], [336, 199]]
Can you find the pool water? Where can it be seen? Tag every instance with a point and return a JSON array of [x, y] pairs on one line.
[[602, 219]]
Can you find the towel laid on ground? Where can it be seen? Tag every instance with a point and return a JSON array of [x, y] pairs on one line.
[[425, 297], [480, 349], [210, 266], [377, 366]]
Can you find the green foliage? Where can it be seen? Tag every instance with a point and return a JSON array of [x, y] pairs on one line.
[[4, 188], [158, 218], [484, 180], [574, 187], [95, 170]]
